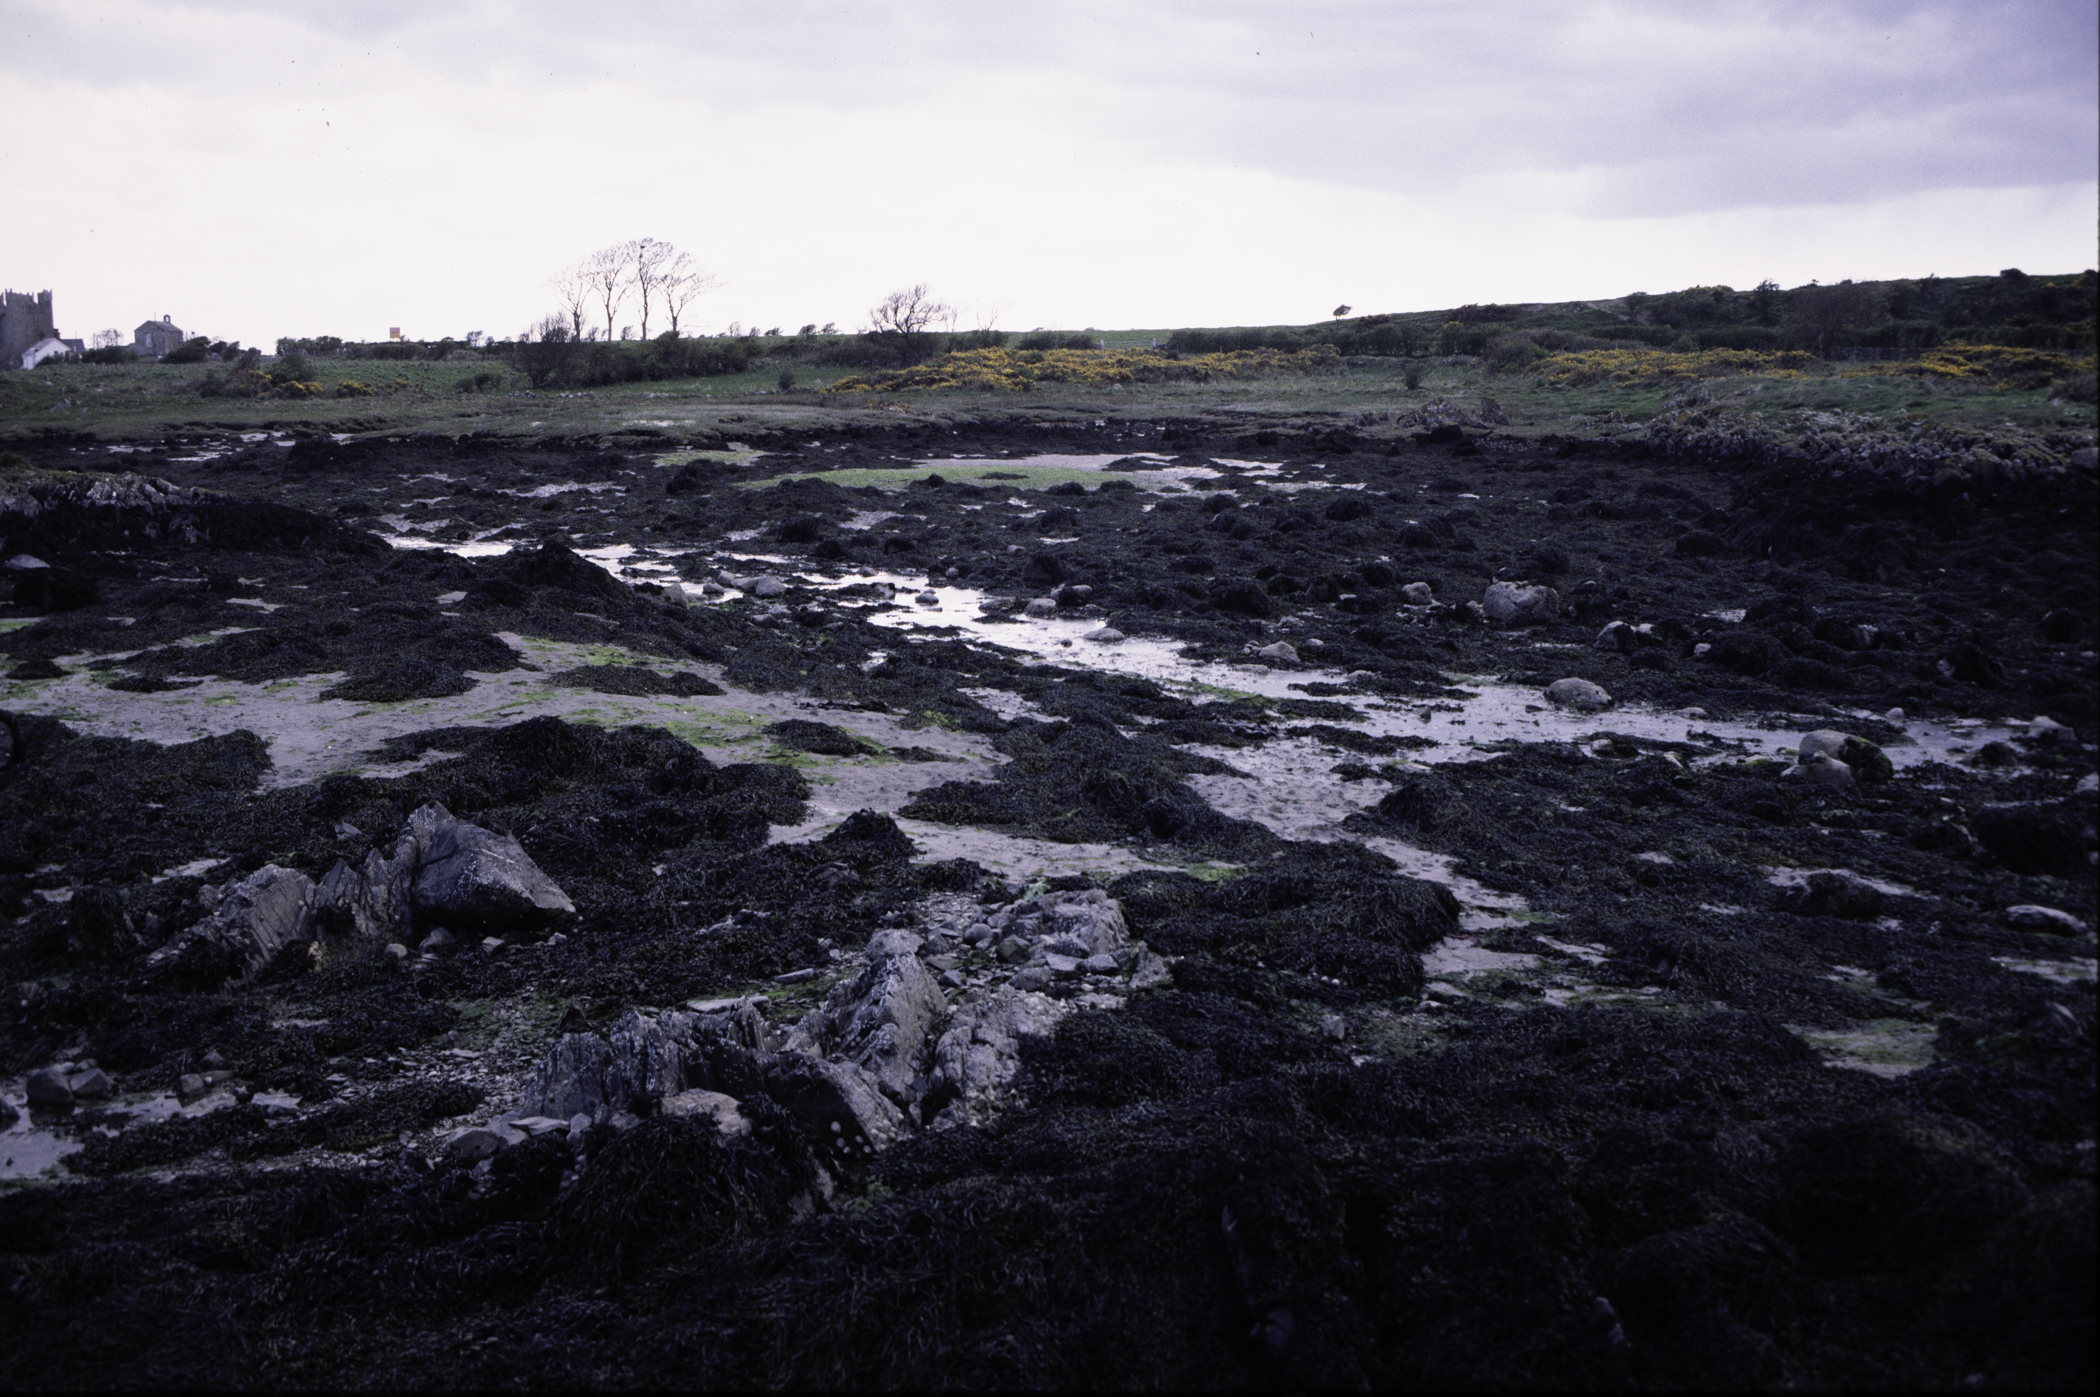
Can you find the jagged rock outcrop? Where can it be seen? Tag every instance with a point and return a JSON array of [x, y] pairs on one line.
[[977, 1059], [259, 916], [443, 871], [885, 1053], [881, 1021]]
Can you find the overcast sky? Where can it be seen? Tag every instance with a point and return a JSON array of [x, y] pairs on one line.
[[263, 169]]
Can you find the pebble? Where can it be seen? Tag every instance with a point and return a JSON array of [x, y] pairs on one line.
[[1106, 635], [1040, 606], [769, 587], [928, 599], [1417, 594], [1281, 650]]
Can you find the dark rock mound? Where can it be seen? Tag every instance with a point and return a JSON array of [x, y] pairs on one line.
[[823, 739], [634, 681], [866, 836], [555, 566], [1424, 802], [412, 678], [54, 589], [2033, 839]]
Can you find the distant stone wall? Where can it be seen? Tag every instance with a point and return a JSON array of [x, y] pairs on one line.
[[24, 319]]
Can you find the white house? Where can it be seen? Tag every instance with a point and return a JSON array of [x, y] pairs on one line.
[[48, 348]]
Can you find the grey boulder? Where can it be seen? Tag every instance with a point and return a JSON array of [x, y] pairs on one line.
[[1520, 604], [259, 916], [468, 877], [1578, 693], [51, 1086], [570, 1080]]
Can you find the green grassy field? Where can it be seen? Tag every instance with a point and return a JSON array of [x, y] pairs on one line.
[[146, 401]]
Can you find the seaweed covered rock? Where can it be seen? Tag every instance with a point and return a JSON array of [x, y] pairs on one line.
[[881, 1019], [1520, 604], [260, 916], [976, 1061], [469, 877]]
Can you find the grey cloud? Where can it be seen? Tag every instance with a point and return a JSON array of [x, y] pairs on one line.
[[1659, 108]]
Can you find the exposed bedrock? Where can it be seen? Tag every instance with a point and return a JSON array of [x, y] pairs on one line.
[[443, 872]]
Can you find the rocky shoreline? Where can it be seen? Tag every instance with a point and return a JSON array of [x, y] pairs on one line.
[[1025, 904]]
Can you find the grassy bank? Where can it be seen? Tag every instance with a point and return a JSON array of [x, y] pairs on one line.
[[137, 402]]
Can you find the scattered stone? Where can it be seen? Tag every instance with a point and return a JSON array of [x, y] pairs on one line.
[[440, 942], [1418, 594], [93, 1084], [726, 1112], [768, 587], [1618, 636], [2029, 916], [1040, 606], [880, 1020], [1867, 762], [1578, 693], [51, 1086], [259, 916], [476, 1143], [570, 1080], [536, 1126], [1834, 894], [2049, 732], [1281, 650], [1520, 604], [1822, 771], [1106, 635]]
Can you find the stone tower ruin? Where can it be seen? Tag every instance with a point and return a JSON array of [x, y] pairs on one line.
[[24, 319]]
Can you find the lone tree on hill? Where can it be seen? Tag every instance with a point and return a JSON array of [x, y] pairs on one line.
[[906, 321]]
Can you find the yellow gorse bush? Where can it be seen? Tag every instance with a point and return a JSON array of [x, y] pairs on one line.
[[1656, 367], [1984, 365], [1019, 370]]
